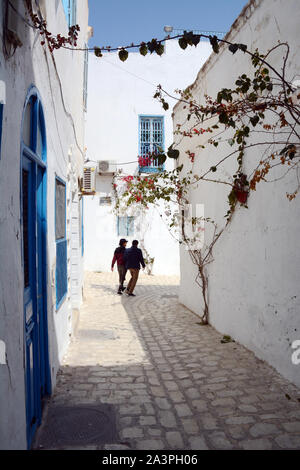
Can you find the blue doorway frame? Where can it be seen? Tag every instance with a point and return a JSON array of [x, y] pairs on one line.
[[34, 255]]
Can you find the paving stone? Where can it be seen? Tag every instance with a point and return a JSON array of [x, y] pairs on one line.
[[167, 419], [183, 410], [263, 429], [193, 393], [248, 408], [150, 444], [163, 403], [287, 441], [198, 443], [171, 386], [155, 432], [190, 425], [174, 440], [131, 433], [240, 420], [223, 402], [200, 405], [147, 420], [130, 410], [256, 444], [220, 441], [292, 427], [176, 397]]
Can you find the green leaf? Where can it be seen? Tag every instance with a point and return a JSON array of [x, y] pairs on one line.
[[214, 43], [243, 47], [182, 43], [223, 117], [97, 51], [123, 55], [143, 49], [233, 48], [152, 45], [196, 39], [173, 153], [254, 120], [159, 49]]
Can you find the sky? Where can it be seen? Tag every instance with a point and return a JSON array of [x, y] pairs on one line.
[[120, 23]]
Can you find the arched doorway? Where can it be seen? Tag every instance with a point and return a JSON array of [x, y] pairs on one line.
[[34, 225]]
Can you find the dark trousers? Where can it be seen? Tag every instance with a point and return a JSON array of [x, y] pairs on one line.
[[122, 274], [133, 280]]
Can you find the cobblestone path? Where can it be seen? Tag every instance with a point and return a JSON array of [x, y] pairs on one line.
[[171, 382]]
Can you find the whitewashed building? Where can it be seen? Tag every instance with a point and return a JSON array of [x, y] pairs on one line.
[[253, 282], [123, 122], [41, 159]]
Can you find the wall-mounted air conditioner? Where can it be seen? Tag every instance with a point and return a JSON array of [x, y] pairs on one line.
[[107, 167], [89, 180]]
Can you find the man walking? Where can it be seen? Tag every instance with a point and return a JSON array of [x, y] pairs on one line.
[[119, 258], [133, 259]]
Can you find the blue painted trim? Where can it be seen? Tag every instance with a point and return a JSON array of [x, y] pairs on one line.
[[70, 9], [149, 169], [1, 121], [82, 227], [59, 241]]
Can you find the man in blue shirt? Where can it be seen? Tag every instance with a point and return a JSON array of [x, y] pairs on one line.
[[133, 258]]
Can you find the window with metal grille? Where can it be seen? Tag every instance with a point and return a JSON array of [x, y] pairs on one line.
[[125, 226], [70, 8], [151, 141], [61, 241]]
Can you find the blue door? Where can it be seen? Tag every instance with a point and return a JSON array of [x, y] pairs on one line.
[[34, 222]]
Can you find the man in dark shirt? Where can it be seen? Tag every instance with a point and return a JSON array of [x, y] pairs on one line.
[[119, 258], [133, 260]]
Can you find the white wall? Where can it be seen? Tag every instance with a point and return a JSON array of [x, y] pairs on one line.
[[32, 65], [254, 278], [117, 94]]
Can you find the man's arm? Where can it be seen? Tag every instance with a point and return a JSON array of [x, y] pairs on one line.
[[113, 261]]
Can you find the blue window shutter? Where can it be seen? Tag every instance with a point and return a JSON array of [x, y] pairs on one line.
[[122, 226], [73, 12], [61, 271], [66, 9], [130, 226], [1, 119], [61, 275]]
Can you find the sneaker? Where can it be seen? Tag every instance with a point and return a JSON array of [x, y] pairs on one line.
[[132, 295], [120, 292], [123, 288]]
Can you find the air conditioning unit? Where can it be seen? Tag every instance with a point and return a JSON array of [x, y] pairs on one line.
[[89, 180], [107, 167]]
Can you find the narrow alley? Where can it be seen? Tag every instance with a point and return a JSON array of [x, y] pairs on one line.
[[142, 373]]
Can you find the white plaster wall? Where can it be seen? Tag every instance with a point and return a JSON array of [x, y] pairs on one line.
[[255, 277], [32, 65], [117, 94]]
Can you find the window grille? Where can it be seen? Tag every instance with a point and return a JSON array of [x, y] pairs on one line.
[[151, 137], [61, 242], [125, 226], [104, 200]]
